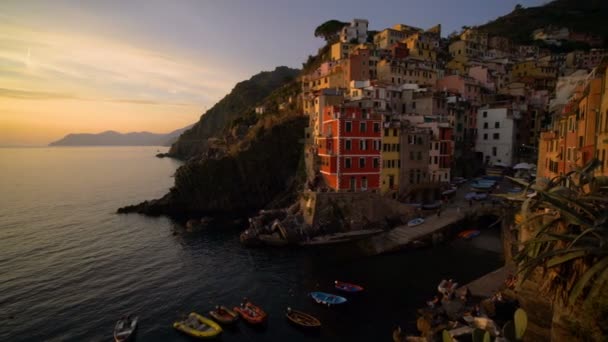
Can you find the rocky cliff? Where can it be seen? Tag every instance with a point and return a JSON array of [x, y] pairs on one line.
[[248, 161], [240, 101]]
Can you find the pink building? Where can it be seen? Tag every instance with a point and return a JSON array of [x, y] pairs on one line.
[[483, 75], [466, 86]]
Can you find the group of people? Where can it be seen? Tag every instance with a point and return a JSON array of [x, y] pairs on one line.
[[446, 289]]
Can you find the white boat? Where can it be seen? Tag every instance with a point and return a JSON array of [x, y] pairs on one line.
[[415, 222], [124, 330]]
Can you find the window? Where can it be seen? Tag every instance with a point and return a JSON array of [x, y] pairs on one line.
[[485, 125], [362, 127], [347, 145], [436, 160], [414, 105], [386, 132], [361, 162], [377, 145], [419, 155], [349, 126], [347, 163], [494, 151], [376, 163], [362, 145], [376, 127], [496, 136], [485, 114], [411, 155], [497, 124]]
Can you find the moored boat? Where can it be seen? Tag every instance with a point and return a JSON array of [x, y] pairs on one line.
[[125, 328], [340, 285], [469, 234], [415, 222], [198, 326], [250, 312], [302, 319], [223, 315], [327, 298]]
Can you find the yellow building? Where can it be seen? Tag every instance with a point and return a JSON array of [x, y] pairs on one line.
[[340, 50], [534, 69], [391, 162], [456, 66], [462, 50], [423, 46], [406, 72], [387, 37]]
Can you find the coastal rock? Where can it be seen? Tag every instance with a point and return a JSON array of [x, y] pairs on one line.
[[240, 182]]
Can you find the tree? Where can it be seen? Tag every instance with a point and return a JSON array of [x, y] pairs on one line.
[[329, 30], [519, 7]]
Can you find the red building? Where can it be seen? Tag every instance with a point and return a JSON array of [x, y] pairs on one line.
[[349, 150]]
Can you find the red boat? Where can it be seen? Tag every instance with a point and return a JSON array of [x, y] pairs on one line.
[[340, 285], [251, 312]]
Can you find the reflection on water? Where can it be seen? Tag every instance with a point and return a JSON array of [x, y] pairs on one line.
[[69, 266]]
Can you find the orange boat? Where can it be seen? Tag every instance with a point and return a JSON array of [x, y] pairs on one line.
[[251, 312]]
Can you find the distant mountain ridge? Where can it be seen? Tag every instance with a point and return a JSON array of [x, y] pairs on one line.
[[113, 138]]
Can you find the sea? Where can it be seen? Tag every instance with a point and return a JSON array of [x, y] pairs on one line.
[[70, 266]]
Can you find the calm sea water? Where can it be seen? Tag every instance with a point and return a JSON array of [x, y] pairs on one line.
[[70, 266]]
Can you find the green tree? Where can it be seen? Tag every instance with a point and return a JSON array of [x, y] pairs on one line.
[[329, 30]]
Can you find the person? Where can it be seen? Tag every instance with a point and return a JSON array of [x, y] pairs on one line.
[[439, 212]]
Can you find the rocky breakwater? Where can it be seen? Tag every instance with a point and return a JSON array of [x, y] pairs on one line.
[[324, 218]]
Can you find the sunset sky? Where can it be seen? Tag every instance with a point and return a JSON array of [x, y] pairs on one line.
[[90, 66]]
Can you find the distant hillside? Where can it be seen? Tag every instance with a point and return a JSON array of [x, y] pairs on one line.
[[242, 98], [113, 138], [585, 16]]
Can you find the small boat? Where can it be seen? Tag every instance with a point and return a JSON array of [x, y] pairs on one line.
[[224, 315], [480, 197], [415, 222], [469, 234], [431, 206], [198, 326], [302, 319], [327, 298], [347, 287], [125, 328], [251, 313], [448, 192]]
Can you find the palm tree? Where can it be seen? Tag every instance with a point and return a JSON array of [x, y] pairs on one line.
[[564, 235]]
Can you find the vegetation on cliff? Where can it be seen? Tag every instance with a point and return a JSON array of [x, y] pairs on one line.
[[251, 161], [242, 99], [564, 248], [584, 16]]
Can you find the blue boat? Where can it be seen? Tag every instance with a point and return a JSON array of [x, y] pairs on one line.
[[327, 298], [415, 222]]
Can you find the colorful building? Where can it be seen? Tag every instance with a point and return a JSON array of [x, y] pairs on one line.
[[391, 159], [350, 149], [355, 32]]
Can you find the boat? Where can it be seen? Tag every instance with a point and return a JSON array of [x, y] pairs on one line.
[[224, 315], [198, 326], [415, 222], [340, 285], [327, 298], [449, 192], [125, 328], [469, 196], [492, 177], [431, 206], [250, 312], [480, 197], [302, 319], [469, 234]]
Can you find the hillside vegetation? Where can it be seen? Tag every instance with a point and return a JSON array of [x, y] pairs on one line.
[[585, 16], [238, 102]]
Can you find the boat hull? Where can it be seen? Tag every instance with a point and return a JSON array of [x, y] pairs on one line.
[[227, 317], [302, 319], [213, 331], [346, 287], [251, 313], [327, 298]]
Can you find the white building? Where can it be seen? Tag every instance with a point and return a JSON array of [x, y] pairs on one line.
[[496, 135], [356, 30]]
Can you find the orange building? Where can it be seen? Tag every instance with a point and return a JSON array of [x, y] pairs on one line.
[[349, 150]]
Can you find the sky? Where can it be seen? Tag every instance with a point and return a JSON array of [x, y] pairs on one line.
[[148, 65]]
